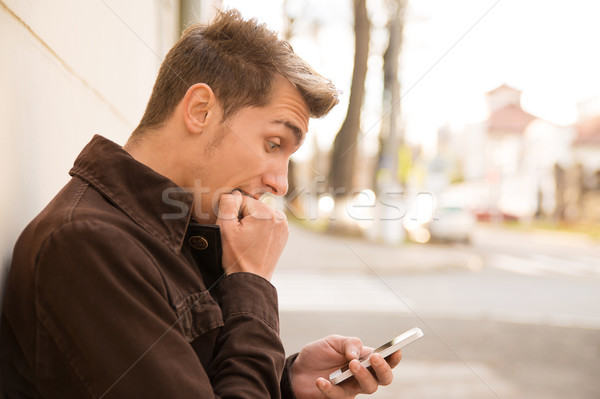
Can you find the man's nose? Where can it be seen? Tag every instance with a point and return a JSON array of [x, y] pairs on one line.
[[276, 179]]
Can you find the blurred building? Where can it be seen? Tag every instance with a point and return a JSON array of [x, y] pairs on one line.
[[586, 150], [518, 166], [504, 152], [550, 163]]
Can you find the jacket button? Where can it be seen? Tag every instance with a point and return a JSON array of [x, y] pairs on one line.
[[198, 242]]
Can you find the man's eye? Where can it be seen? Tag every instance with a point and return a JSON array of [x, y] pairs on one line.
[[272, 145]]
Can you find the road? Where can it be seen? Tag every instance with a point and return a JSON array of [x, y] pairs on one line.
[[513, 315]]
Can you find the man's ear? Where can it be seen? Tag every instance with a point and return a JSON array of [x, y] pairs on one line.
[[199, 101]]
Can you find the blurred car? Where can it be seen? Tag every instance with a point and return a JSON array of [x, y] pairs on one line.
[[452, 223], [431, 219]]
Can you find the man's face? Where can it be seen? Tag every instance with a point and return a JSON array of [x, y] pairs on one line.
[[251, 150]]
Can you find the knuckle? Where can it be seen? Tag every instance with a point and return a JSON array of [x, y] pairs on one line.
[[354, 341], [370, 385], [280, 216], [384, 375], [371, 390]]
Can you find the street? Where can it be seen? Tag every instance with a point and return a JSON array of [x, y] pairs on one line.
[[513, 315]]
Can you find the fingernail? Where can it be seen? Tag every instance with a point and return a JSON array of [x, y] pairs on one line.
[[354, 354], [321, 383]]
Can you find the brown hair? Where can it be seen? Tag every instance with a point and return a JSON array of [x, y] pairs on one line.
[[238, 59]]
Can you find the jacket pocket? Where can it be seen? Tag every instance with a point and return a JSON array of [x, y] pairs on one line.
[[197, 314]]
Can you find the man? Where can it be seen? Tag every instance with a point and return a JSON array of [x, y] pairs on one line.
[[148, 274]]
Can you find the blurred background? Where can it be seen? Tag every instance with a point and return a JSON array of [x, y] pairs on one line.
[[456, 187]]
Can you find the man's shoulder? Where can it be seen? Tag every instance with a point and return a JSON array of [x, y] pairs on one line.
[[77, 209]]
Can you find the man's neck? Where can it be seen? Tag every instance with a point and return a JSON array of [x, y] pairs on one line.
[[154, 150]]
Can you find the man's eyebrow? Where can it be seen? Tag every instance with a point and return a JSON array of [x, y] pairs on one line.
[[295, 129]]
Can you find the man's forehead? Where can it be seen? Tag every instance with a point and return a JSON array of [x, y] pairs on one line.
[[286, 95]]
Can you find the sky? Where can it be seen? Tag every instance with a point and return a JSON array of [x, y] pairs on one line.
[[544, 48], [453, 53]]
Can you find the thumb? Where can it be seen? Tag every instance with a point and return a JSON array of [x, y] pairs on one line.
[[229, 208], [353, 348], [349, 347]]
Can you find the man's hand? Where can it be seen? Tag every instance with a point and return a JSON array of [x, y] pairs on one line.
[[253, 234], [318, 359]]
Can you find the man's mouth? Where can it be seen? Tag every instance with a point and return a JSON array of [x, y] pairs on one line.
[[241, 192], [256, 196]]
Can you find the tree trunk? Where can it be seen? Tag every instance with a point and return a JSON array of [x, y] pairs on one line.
[[390, 137], [344, 147], [287, 34]]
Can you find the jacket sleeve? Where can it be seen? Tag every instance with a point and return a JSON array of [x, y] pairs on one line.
[[286, 380], [248, 344], [107, 330]]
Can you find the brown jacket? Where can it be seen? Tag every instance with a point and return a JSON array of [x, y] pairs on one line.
[[113, 293]]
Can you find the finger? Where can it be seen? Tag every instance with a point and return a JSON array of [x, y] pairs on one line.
[[366, 380], [327, 388], [382, 370], [352, 348], [394, 359], [366, 351], [251, 207], [229, 207], [259, 210], [279, 215], [324, 386]]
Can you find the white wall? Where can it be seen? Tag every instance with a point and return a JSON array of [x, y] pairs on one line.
[[69, 69]]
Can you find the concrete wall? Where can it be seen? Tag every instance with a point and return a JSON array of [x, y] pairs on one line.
[[69, 69]]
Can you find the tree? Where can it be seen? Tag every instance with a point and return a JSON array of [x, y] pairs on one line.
[[287, 35], [341, 171], [390, 137]]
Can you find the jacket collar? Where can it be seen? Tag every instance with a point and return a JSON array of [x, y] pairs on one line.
[[151, 200]]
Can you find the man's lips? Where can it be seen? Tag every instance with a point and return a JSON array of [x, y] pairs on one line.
[[255, 196]]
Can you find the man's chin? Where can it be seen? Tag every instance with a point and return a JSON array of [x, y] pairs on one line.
[[204, 216]]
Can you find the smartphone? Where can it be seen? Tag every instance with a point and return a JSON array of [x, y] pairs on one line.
[[384, 350]]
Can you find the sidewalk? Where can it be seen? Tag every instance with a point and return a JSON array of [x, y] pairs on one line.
[[487, 334], [310, 251]]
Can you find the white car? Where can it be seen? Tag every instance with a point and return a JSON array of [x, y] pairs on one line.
[[452, 223]]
